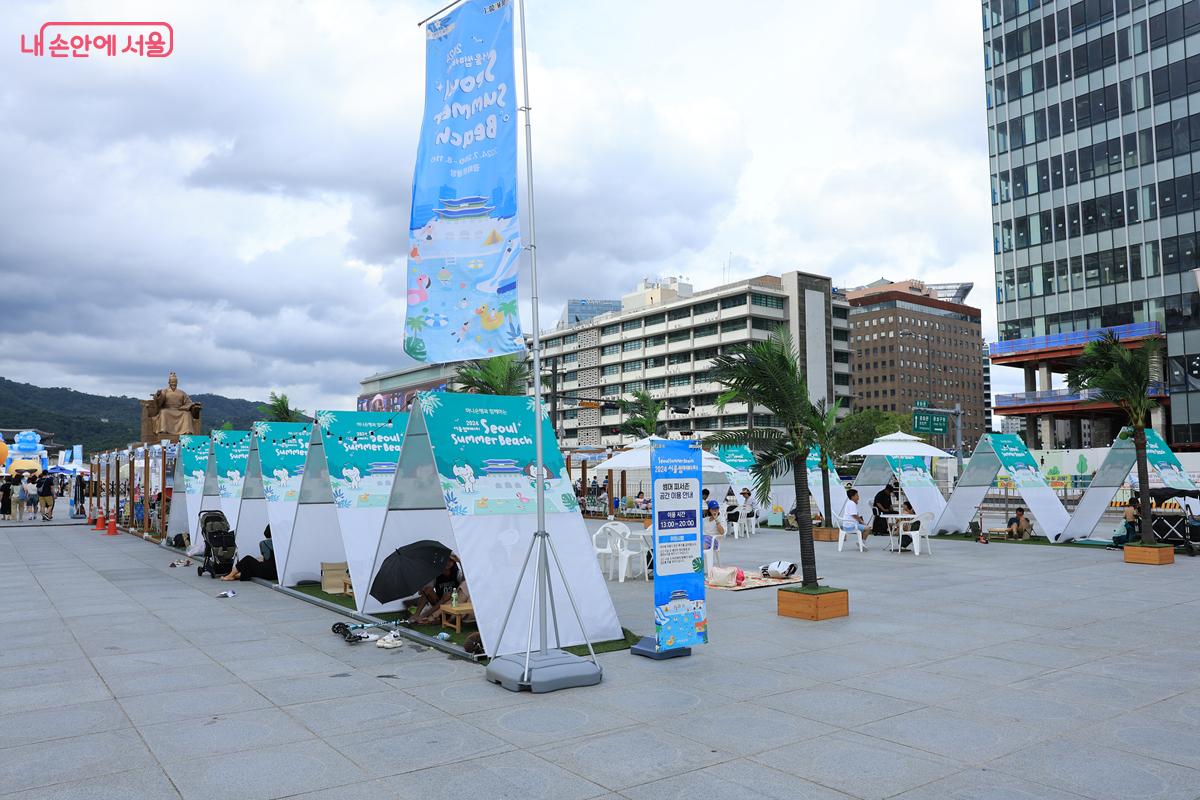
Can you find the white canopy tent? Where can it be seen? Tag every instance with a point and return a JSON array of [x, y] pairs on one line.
[[638, 458], [900, 444]]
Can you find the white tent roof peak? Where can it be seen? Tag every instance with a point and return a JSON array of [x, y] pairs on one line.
[[899, 444]]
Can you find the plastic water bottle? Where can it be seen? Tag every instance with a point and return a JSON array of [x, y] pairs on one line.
[[454, 599], [445, 637]]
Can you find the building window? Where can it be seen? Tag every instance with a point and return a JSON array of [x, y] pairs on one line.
[[632, 366], [679, 358], [570, 338], [681, 380], [760, 324], [610, 330], [656, 319], [632, 325], [654, 384], [656, 340], [633, 386], [570, 376], [733, 325], [705, 308], [629, 347], [610, 350], [705, 330], [733, 302], [679, 336], [611, 390], [656, 361], [769, 301], [679, 313], [610, 369]]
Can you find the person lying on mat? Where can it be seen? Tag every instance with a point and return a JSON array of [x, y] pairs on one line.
[[441, 590], [250, 567]]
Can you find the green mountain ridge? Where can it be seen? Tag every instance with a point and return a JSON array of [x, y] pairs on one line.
[[76, 417]]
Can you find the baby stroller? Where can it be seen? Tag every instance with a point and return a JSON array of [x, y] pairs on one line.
[[220, 544]]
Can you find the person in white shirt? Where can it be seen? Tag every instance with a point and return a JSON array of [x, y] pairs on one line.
[[749, 503], [851, 519], [714, 531]]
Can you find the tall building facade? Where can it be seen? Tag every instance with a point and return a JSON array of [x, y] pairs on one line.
[[1094, 153], [907, 345], [662, 339]]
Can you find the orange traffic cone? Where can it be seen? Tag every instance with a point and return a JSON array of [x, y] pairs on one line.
[[112, 527], [99, 522]]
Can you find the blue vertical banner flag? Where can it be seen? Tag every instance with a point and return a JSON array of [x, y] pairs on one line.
[[680, 615], [464, 233]]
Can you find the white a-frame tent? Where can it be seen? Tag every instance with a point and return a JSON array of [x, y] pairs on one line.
[[994, 452], [280, 451], [252, 515], [1115, 469], [478, 450], [231, 451], [315, 536]]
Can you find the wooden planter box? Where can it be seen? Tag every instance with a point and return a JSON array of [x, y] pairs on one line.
[[1140, 554], [813, 606], [825, 534]]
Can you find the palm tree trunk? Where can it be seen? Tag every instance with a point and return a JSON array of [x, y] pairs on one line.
[[808, 555], [1144, 509], [825, 487]]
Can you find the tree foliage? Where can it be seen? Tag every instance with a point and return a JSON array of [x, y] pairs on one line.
[[279, 409], [642, 414], [767, 374], [501, 375], [1124, 376], [863, 427]]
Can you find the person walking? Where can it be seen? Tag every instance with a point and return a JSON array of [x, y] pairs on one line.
[[20, 496], [6, 498], [45, 491], [31, 497]]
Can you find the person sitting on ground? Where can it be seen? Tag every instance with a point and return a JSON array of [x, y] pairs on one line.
[[250, 567], [714, 531], [1131, 519], [1020, 526], [440, 591], [852, 521]]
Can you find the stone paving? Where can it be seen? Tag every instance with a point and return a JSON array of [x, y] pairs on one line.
[[999, 671]]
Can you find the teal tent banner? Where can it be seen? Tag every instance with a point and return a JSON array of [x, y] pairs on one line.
[[1017, 460], [1160, 459], [680, 613], [490, 465], [282, 449], [232, 450], [464, 231], [193, 461], [362, 449]]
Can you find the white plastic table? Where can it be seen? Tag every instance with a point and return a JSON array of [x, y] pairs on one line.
[[896, 520]]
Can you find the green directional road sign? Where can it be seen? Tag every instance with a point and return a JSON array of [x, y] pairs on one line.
[[921, 404], [930, 422]]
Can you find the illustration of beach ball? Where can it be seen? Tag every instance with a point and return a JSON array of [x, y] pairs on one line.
[[475, 263], [435, 320]]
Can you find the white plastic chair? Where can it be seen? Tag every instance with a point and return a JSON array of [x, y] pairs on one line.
[[712, 555], [604, 544], [631, 547], [923, 532], [842, 533], [749, 519]]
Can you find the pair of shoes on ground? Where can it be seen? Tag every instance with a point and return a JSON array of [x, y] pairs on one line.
[[982, 540], [391, 641], [181, 562]]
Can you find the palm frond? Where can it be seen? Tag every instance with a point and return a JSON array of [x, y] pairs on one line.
[[501, 375]]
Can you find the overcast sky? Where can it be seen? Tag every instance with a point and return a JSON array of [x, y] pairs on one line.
[[237, 212]]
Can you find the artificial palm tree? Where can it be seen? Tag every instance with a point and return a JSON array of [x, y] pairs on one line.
[[501, 375], [279, 409], [1124, 376], [823, 424], [767, 374], [641, 415]]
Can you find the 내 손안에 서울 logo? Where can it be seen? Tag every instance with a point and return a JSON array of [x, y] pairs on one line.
[[87, 39]]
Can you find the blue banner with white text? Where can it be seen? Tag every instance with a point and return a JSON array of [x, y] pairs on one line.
[[680, 614], [464, 233]]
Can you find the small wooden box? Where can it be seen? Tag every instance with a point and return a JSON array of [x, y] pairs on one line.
[[825, 534], [1137, 554], [802, 605]]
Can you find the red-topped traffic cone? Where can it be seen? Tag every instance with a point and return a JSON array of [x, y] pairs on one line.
[[99, 522], [112, 527]]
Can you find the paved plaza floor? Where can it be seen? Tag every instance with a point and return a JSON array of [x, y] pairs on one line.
[[980, 671]]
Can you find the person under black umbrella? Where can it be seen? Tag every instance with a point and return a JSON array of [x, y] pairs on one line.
[[426, 568]]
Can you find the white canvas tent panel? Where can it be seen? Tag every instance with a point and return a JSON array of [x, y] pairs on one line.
[[315, 536], [252, 512]]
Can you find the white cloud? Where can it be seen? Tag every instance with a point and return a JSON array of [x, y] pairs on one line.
[[238, 211]]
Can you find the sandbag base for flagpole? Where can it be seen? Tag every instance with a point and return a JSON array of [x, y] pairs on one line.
[[648, 647], [548, 672]]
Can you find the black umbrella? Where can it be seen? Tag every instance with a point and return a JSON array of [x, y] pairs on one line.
[[406, 571]]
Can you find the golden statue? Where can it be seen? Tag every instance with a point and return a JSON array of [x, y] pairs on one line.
[[170, 414]]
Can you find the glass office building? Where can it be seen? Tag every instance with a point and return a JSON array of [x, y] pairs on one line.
[[1093, 113]]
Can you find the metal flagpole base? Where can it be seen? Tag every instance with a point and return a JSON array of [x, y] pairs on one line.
[[548, 672], [649, 648]]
